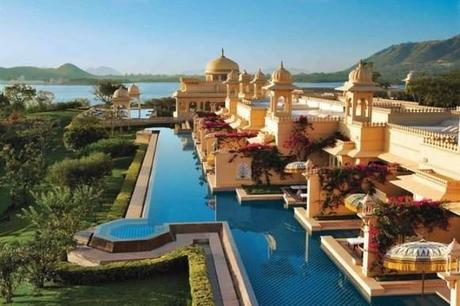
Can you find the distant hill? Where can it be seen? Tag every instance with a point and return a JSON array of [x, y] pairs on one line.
[[102, 71], [394, 62], [64, 72]]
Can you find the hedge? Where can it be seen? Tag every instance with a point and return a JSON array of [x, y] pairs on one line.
[[115, 147], [76, 137], [86, 170], [194, 256], [120, 205]]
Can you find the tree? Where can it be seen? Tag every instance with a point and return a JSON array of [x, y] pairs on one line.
[[11, 267], [5, 106], [78, 137], [23, 170], [104, 90], [56, 217], [441, 90], [41, 102], [19, 94]]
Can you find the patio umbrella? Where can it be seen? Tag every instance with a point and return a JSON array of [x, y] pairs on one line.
[[420, 256], [295, 167], [354, 201]]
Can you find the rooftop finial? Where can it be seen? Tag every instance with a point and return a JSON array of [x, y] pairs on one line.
[[282, 66], [223, 52]]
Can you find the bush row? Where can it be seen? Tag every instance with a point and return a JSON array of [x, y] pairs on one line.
[[115, 147], [194, 256], [76, 137], [87, 170], [120, 205]]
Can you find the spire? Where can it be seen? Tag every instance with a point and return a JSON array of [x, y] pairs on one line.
[[282, 66], [223, 52]]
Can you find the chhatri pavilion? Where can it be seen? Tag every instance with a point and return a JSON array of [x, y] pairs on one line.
[[418, 147]]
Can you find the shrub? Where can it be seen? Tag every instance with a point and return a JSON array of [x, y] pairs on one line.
[[87, 170], [115, 147], [200, 286], [76, 137], [121, 203]]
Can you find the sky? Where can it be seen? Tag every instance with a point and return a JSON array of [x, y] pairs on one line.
[[177, 36]]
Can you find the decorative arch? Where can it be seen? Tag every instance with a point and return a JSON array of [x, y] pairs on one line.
[[281, 103]]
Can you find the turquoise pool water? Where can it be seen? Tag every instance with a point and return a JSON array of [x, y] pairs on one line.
[[286, 266]]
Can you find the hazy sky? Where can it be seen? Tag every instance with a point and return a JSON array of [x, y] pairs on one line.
[[169, 36]]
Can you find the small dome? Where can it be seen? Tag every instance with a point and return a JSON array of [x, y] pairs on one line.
[[361, 74], [233, 76], [221, 65], [259, 76], [281, 75], [121, 92], [133, 90], [453, 249], [245, 77]]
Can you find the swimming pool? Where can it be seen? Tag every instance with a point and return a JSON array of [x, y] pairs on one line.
[[285, 265]]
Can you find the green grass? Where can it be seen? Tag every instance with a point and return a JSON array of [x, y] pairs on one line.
[[169, 289], [18, 229], [263, 189]]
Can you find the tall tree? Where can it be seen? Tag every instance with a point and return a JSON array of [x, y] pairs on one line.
[[104, 90], [19, 94], [57, 215], [11, 266]]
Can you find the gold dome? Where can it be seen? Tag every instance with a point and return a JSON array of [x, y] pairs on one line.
[[221, 65], [133, 90], [281, 75], [259, 76], [121, 92], [245, 77], [361, 74]]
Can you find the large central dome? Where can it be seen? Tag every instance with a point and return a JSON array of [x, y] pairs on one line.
[[221, 65]]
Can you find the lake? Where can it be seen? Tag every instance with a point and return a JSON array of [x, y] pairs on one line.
[[150, 90]]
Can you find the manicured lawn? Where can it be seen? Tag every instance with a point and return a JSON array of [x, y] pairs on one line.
[[18, 229], [169, 289]]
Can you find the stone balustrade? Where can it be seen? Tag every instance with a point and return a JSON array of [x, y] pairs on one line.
[[448, 143]]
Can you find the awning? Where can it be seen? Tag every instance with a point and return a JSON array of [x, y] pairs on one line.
[[453, 207], [415, 185], [391, 158], [235, 124], [337, 150]]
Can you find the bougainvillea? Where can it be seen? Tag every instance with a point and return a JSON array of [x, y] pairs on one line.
[[337, 183], [235, 134], [300, 143], [402, 216], [201, 114], [265, 159], [215, 123]]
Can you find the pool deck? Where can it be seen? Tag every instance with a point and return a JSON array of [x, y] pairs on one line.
[[370, 287], [227, 273], [313, 225], [136, 204]]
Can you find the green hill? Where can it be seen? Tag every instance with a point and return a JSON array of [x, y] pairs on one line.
[[64, 72], [394, 62]]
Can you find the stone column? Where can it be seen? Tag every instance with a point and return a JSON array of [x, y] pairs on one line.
[[453, 283], [313, 195], [369, 253]]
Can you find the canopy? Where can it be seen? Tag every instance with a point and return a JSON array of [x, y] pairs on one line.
[[354, 201], [295, 167], [418, 256]]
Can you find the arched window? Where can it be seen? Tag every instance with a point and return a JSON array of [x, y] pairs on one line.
[[192, 106], [280, 103], [243, 171]]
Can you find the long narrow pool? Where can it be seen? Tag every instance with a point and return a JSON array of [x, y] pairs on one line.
[[285, 265]]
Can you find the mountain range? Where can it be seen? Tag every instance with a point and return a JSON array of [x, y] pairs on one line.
[[393, 64]]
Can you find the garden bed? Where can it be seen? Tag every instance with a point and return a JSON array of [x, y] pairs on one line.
[[263, 189]]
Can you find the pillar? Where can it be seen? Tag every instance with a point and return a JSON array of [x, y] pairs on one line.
[[453, 283], [313, 195], [369, 253]]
